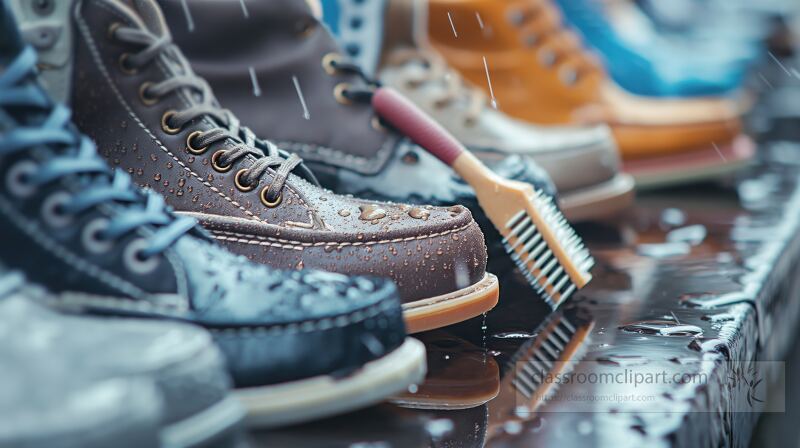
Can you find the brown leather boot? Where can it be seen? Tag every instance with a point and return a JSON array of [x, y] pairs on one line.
[[136, 95], [297, 67], [539, 72]]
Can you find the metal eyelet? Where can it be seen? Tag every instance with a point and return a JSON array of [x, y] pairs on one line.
[[146, 99], [165, 123], [237, 180], [376, 124], [191, 148], [91, 239], [112, 30], [267, 202], [215, 162], [135, 261], [338, 93], [16, 179], [52, 209], [123, 65], [329, 61]]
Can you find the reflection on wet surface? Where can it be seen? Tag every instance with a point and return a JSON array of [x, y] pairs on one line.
[[690, 281]]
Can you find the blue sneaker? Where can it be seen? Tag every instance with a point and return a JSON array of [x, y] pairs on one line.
[[658, 70]]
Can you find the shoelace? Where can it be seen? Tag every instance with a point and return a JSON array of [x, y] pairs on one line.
[[437, 72], [75, 155], [557, 45], [238, 141]]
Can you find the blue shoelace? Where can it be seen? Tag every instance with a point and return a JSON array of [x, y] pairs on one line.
[[76, 155]]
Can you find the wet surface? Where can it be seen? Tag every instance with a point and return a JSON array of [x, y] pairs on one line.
[[691, 281], [698, 280]]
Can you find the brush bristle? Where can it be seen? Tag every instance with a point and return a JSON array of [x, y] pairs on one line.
[[557, 348], [546, 249]]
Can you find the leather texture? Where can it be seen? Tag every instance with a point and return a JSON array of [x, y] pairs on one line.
[[540, 73], [411, 66], [283, 40], [270, 324], [310, 227]]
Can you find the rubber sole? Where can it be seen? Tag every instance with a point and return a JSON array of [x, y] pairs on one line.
[[215, 423], [600, 201], [324, 396], [704, 163], [457, 306]]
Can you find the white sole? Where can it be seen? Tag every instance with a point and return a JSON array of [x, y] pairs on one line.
[[324, 396], [203, 427]]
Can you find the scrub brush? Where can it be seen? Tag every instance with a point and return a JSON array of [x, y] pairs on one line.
[[536, 235]]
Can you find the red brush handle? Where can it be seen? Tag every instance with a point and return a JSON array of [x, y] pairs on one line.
[[416, 124]]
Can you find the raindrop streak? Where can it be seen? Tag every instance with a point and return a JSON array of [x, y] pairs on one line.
[[769, 84], [188, 14], [779, 63], [244, 9], [256, 88], [480, 21], [716, 148], [450, 18], [489, 80], [306, 115]]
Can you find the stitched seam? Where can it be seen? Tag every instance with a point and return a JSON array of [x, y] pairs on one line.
[[96, 55], [68, 257], [308, 326], [293, 244]]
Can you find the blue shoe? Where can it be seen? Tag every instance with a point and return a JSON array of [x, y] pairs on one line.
[[660, 69], [353, 25]]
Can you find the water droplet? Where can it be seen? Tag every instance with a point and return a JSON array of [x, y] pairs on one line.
[[344, 213], [664, 250], [371, 212], [673, 217], [419, 213], [662, 328], [514, 335], [439, 427], [693, 235], [157, 177], [512, 427]]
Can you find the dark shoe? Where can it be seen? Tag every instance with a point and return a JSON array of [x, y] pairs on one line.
[[136, 95], [104, 247], [347, 147], [67, 359]]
